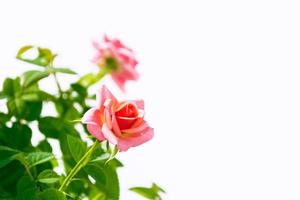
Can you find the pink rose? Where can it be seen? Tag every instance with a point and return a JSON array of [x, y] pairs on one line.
[[121, 123], [112, 54]]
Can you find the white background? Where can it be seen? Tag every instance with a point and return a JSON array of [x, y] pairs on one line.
[[220, 80]]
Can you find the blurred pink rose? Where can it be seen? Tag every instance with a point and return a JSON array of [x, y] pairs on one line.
[[121, 123], [112, 54]]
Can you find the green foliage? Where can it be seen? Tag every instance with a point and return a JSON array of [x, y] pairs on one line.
[[44, 57], [48, 176], [51, 194], [151, 193], [36, 158], [26, 188], [77, 147], [27, 170]]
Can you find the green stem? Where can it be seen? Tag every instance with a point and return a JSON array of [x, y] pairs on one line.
[[29, 173], [81, 163], [57, 84], [50, 67], [90, 79]]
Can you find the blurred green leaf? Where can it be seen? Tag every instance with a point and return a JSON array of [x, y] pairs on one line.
[[37, 96], [16, 107], [61, 70], [26, 188], [4, 118], [53, 127], [36, 158], [113, 154], [44, 146], [9, 176], [112, 182], [97, 172], [102, 158], [151, 193], [87, 80], [82, 92], [32, 110], [18, 136], [7, 155], [48, 176], [77, 147], [5, 148], [67, 110], [11, 87], [51, 194], [33, 76], [50, 126], [2, 95], [44, 57]]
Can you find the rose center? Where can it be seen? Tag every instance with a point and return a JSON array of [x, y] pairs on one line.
[[126, 115]]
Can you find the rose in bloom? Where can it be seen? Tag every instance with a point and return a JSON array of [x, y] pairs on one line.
[[121, 123], [120, 60]]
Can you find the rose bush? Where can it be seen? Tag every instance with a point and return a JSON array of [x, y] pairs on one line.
[[31, 171]]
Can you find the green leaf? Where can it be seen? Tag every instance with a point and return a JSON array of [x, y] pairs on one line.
[[97, 172], [53, 127], [30, 97], [149, 193], [82, 91], [112, 182], [5, 148], [48, 176], [26, 188], [11, 87], [145, 192], [87, 80], [9, 176], [50, 126], [37, 96], [51, 194], [16, 106], [61, 70], [113, 154], [4, 118], [44, 146], [19, 136], [2, 95], [77, 147], [44, 57], [7, 155], [8, 87], [101, 158], [36, 158], [33, 76], [32, 110]]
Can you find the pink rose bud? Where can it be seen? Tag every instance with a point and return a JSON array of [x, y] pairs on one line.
[[118, 59], [121, 123]]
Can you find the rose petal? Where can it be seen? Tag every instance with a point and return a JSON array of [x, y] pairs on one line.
[[103, 95], [108, 134], [92, 116], [95, 130], [115, 126], [127, 109], [92, 119], [125, 143], [138, 129], [138, 122], [119, 80], [126, 122], [139, 103]]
